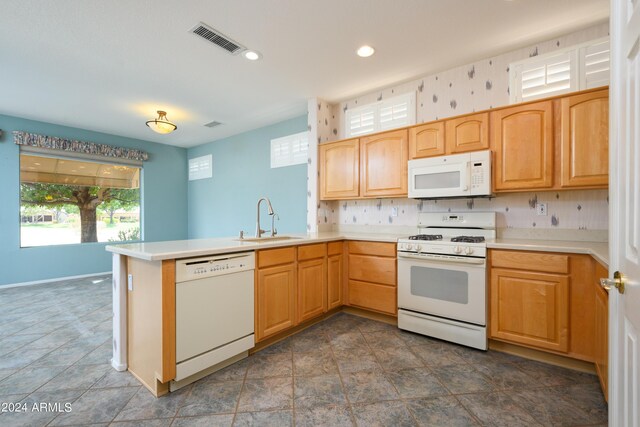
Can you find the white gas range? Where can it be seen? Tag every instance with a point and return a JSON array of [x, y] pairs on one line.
[[442, 288]]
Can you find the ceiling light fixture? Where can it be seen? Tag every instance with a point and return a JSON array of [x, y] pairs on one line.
[[365, 51], [161, 124], [252, 55]]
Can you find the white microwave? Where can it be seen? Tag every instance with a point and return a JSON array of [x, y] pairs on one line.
[[457, 175]]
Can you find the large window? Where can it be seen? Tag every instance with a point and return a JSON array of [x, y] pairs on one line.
[[66, 200]]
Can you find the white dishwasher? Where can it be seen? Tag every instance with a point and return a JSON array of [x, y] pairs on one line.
[[214, 313]]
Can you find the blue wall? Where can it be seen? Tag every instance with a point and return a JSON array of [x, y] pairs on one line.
[[164, 204], [226, 203]]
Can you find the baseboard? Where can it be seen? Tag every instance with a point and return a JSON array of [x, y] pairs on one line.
[[58, 279], [542, 356]]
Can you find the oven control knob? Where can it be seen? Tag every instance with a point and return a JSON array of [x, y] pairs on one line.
[[419, 248], [468, 251], [457, 250], [409, 247]]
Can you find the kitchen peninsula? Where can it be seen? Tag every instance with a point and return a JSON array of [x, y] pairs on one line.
[[145, 327]]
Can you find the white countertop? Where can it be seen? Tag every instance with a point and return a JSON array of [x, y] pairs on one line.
[[598, 250], [156, 251]]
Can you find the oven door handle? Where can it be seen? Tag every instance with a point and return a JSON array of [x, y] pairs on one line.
[[460, 260]]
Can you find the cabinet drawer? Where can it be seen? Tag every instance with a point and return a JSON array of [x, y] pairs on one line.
[[372, 296], [276, 256], [312, 251], [335, 248], [535, 261], [373, 269], [373, 248]]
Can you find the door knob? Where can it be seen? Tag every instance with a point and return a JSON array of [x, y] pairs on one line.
[[617, 282]]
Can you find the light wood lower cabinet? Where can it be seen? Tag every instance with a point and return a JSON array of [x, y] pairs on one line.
[[530, 308], [275, 291], [373, 276], [543, 300], [601, 330], [312, 281], [335, 273]]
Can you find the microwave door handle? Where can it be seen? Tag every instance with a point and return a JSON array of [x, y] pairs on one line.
[[466, 178]]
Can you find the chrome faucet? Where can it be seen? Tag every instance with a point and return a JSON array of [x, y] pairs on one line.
[[259, 231]]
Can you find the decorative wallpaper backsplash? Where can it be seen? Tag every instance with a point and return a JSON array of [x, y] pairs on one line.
[[473, 87], [575, 210]]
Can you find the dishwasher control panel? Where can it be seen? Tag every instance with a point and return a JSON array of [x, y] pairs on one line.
[[214, 265]]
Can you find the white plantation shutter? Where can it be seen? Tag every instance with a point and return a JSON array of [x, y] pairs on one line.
[[576, 68], [201, 167], [390, 113], [594, 61], [361, 121], [548, 76], [290, 150]]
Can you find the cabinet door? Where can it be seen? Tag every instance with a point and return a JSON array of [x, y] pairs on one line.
[[585, 140], [426, 140], [602, 330], [384, 164], [468, 133], [530, 308], [335, 271], [340, 170], [275, 300], [312, 298], [373, 296], [522, 138]]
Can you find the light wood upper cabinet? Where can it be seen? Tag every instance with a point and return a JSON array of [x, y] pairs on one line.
[[339, 170], [522, 138], [584, 137], [426, 140], [383, 169], [468, 133]]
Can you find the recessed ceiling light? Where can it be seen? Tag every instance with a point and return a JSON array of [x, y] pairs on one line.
[[365, 51], [252, 55]]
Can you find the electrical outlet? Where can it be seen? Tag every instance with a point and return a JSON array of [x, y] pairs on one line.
[[130, 282], [541, 209], [394, 211]]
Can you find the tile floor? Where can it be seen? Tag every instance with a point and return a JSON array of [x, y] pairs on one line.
[[55, 344]]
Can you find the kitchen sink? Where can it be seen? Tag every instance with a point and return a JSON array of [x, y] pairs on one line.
[[267, 239]]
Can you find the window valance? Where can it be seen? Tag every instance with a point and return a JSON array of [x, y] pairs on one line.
[[75, 146]]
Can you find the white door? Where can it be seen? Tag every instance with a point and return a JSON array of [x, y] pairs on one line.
[[624, 245]]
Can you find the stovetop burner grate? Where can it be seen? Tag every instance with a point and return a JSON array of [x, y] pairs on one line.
[[426, 237], [468, 239]]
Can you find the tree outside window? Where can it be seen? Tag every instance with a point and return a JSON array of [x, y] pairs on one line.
[[64, 200]]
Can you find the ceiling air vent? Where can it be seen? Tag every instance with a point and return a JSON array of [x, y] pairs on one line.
[[212, 124], [217, 38]]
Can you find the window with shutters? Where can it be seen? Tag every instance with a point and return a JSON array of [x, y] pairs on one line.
[[576, 68], [290, 150], [382, 115]]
